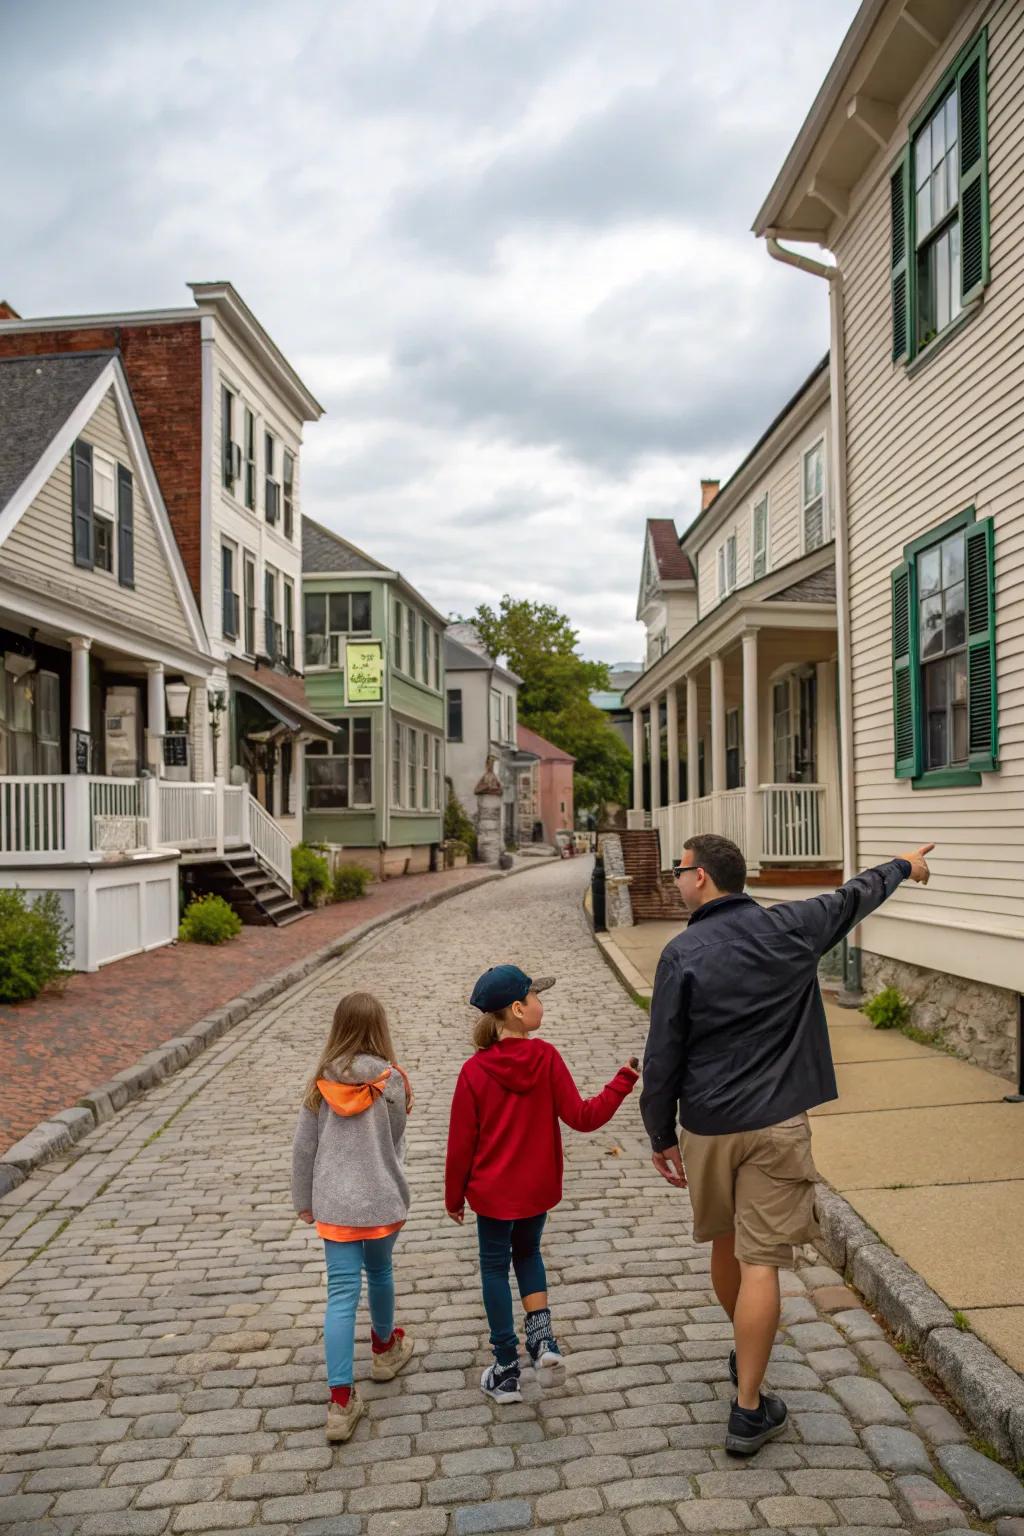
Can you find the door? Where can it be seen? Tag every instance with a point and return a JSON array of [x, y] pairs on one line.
[[806, 766], [782, 734]]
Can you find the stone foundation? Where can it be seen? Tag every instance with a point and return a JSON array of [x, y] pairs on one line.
[[977, 1021]]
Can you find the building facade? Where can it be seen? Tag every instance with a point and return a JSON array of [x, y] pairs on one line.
[[222, 413], [907, 171], [544, 794], [482, 718], [374, 665], [734, 716]]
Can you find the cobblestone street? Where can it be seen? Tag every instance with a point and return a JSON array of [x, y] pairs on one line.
[[160, 1349]]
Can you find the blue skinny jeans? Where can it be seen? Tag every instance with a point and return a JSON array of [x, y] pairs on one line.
[[503, 1243], [345, 1265]]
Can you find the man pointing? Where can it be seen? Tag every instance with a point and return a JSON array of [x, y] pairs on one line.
[[739, 1049]]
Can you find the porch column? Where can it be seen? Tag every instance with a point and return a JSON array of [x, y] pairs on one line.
[[655, 755], [717, 725], [751, 738], [156, 714], [80, 719], [638, 759], [673, 745], [692, 739]]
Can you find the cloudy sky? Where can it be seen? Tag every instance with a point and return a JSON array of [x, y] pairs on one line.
[[505, 242]]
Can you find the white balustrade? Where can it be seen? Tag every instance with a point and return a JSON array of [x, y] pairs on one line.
[[32, 819], [269, 842], [795, 823], [188, 815]]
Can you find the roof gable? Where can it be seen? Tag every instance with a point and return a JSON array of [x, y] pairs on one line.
[[328, 553], [37, 396], [530, 741]]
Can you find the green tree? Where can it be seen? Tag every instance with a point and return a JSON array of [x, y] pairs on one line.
[[540, 644]]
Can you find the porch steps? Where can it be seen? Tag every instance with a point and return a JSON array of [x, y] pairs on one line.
[[652, 892], [258, 898]]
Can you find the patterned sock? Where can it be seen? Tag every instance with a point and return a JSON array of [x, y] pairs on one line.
[[341, 1395], [507, 1367], [381, 1346], [538, 1328]]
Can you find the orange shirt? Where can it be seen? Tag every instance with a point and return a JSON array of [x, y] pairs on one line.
[[355, 1234]]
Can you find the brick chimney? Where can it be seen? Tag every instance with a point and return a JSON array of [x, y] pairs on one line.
[[7, 311], [708, 492]]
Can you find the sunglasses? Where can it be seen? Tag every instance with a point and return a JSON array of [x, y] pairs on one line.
[[679, 868]]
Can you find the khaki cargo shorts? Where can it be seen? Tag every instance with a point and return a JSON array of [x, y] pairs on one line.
[[758, 1184]]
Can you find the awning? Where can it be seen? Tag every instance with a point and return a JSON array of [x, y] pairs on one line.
[[289, 714]]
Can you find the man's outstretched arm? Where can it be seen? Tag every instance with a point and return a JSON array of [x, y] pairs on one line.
[[830, 918]]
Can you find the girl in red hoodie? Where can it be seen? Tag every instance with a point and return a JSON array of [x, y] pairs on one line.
[[505, 1159]]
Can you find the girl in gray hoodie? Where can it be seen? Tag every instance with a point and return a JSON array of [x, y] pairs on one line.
[[348, 1179]]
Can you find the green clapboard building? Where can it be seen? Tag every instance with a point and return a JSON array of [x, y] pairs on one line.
[[374, 668]]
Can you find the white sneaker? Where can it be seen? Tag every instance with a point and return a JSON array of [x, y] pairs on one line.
[[548, 1356], [502, 1385]]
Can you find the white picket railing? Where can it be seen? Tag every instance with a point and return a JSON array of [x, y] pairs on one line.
[[269, 842], [33, 822], [799, 824], [188, 815]]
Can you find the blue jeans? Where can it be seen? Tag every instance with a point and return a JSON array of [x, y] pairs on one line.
[[345, 1265], [502, 1243]]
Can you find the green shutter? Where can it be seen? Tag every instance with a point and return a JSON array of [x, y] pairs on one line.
[[905, 683], [899, 210], [974, 230], [982, 704], [81, 504]]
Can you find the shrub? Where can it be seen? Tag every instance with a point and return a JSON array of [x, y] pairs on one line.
[[35, 944], [209, 920], [457, 825], [310, 875], [350, 882], [888, 1010], [454, 848]]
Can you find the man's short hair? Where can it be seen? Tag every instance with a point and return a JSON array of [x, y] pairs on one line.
[[720, 859]]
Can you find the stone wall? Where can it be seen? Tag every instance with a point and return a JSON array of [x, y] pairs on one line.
[[618, 908], [979, 1022]]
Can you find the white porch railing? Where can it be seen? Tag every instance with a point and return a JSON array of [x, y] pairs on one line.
[[269, 842], [188, 815], [799, 824]]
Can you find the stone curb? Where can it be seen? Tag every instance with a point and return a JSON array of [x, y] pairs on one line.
[[58, 1132], [985, 1387]]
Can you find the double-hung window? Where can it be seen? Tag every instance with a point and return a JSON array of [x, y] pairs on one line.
[[102, 513], [436, 642], [250, 460], [331, 617], [733, 750], [945, 713], [104, 476], [495, 715], [727, 566], [272, 642], [939, 213], [424, 651], [289, 621], [271, 488], [759, 539], [249, 594], [229, 597], [454, 714], [812, 497], [397, 762], [435, 802], [339, 773], [288, 493], [396, 634], [410, 642], [413, 768], [230, 452]]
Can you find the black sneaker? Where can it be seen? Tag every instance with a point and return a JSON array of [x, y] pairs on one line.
[[502, 1383], [749, 1429], [545, 1354], [733, 1372]]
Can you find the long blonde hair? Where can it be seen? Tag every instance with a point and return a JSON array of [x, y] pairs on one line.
[[359, 1028]]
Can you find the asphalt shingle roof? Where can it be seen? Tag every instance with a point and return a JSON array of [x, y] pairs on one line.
[[325, 551], [673, 565], [819, 587], [37, 395]]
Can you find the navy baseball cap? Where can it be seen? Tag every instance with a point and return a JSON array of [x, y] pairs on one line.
[[506, 984]]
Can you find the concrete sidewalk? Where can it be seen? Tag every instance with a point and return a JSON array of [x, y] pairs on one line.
[[922, 1146]]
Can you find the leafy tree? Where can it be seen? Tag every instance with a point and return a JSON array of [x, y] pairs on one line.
[[540, 645]]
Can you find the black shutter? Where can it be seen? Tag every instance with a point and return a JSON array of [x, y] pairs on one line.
[[974, 230], [899, 211], [81, 504], [125, 527], [905, 681], [982, 703]]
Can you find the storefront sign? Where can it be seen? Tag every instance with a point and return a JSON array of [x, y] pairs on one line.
[[364, 673]]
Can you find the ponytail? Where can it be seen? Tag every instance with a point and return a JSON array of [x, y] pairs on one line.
[[485, 1030]]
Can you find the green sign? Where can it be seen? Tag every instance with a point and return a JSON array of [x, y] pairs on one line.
[[364, 672]]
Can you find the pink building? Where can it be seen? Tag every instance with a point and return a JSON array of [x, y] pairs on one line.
[[544, 788]]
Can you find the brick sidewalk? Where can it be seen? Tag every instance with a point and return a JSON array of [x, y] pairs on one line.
[[53, 1049]]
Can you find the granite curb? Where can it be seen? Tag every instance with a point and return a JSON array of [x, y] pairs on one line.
[[990, 1393], [59, 1132]]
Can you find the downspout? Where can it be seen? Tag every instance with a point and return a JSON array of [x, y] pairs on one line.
[[837, 383]]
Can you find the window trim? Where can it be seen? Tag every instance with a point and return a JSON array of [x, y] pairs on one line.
[[248, 609], [335, 634], [759, 501], [231, 550], [826, 519], [349, 757], [722, 563]]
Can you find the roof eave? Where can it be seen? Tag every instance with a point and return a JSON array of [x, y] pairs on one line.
[[229, 306]]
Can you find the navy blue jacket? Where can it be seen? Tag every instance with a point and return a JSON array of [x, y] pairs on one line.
[[738, 1037]]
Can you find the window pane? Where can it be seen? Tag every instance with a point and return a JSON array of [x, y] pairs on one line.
[[952, 552], [936, 678], [952, 132], [362, 737], [327, 783], [341, 742], [958, 678], [959, 733], [942, 281], [929, 572], [956, 633], [361, 611], [954, 267], [362, 781], [316, 749], [938, 127], [923, 157], [814, 526], [924, 210], [931, 626], [937, 753], [339, 613]]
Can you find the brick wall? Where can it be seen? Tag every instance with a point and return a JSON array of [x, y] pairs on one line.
[[162, 364]]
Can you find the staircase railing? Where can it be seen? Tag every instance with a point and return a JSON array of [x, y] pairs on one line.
[[269, 842]]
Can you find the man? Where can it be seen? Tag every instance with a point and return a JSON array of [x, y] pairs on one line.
[[739, 1046]]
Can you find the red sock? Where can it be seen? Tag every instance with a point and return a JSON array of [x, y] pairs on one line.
[[381, 1346], [341, 1395]]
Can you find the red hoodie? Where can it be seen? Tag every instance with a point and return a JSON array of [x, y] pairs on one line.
[[504, 1140]]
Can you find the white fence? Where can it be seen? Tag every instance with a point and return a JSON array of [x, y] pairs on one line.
[[799, 824], [81, 818]]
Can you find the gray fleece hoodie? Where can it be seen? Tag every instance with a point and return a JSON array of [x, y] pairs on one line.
[[347, 1159]]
